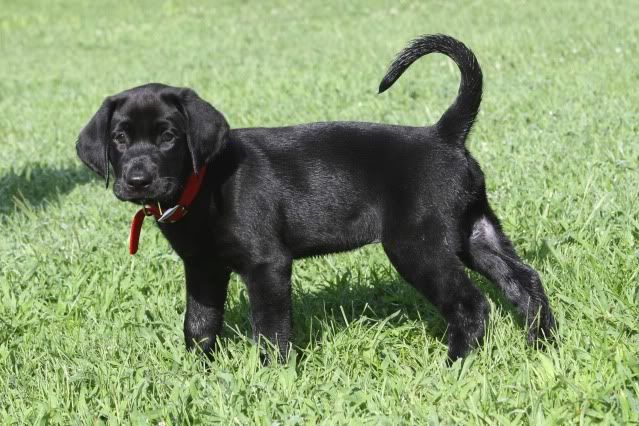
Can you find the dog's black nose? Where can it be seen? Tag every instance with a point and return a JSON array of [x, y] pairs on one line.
[[138, 179]]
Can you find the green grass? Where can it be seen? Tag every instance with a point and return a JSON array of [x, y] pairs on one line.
[[89, 334]]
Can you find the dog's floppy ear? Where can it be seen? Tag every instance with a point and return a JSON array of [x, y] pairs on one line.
[[93, 142], [206, 128]]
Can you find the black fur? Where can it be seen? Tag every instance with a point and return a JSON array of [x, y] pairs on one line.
[[272, 195]]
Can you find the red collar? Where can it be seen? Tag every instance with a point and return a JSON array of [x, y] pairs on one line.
[[169, 215]]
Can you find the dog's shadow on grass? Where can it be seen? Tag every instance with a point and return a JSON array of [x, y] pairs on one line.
[[36, 184], [336, 306], [340, 302]]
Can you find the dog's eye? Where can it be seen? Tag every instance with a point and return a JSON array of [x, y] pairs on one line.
[[167, 137], [119, 138]]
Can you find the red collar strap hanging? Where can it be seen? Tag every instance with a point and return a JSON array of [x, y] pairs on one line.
[[169, 215]]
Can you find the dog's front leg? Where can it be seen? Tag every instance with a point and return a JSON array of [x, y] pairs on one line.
[[269, 288], [206, 285]]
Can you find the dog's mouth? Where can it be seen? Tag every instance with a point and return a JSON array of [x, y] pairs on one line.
[[163, 190]]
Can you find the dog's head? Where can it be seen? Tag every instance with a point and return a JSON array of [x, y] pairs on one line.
[[154, 136]]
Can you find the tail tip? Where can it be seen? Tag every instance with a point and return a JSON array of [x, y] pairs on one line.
[[383, 86]]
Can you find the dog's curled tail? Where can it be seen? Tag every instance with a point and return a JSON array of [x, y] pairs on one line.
[[458, 119]]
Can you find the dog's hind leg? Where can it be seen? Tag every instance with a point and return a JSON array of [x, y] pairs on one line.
[[423, 258], [490, 252]]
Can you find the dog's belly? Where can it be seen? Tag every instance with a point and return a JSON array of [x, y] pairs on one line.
[[330, 230]]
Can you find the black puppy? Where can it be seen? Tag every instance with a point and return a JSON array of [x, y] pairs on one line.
[[272, 195]]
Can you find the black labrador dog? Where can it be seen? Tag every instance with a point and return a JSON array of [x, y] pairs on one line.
[[272, 195]]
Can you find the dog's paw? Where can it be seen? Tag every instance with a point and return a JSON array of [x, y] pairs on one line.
[[461, 342], [543, 329]]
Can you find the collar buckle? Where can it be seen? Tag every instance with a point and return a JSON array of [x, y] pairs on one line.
[[173, 214]]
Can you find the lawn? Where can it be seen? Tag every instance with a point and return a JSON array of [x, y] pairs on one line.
[[90, 334]]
